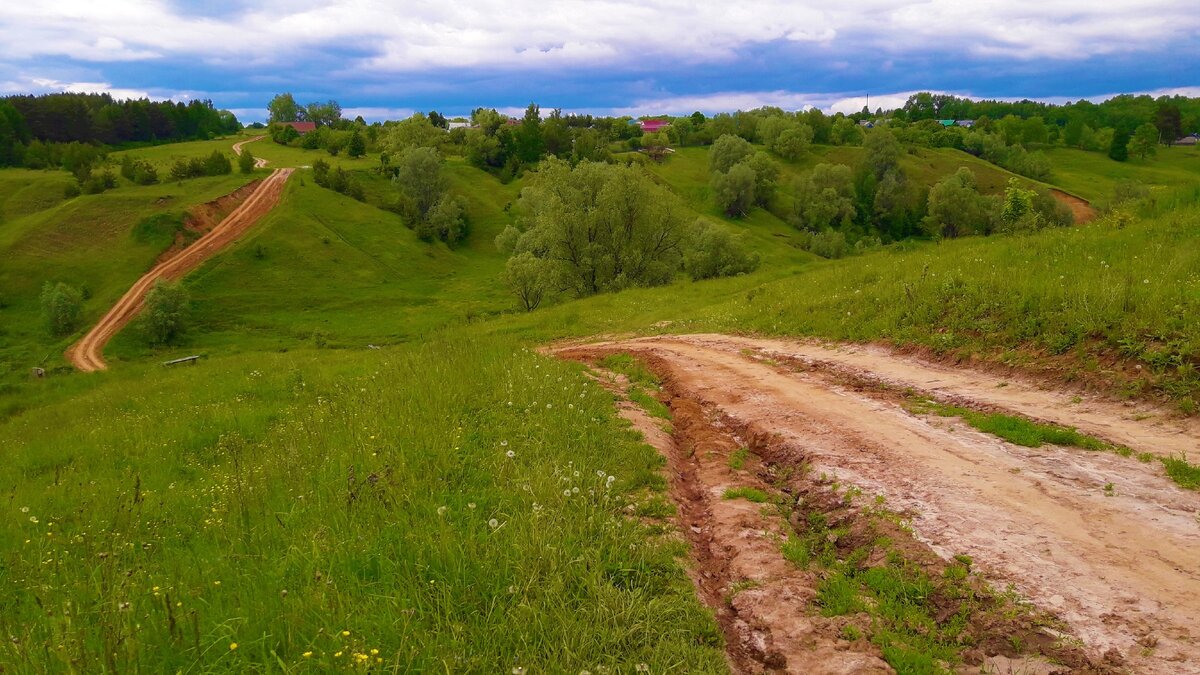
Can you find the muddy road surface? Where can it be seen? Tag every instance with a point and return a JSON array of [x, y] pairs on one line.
[[1107, 544]]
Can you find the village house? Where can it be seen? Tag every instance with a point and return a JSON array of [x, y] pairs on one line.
[[653, 126], [1193, 139], [301, 127]]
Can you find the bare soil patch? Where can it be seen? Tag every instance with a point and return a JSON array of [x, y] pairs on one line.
[[1080, 208]]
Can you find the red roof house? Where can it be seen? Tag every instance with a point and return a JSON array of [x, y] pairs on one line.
[[301, 127], [654, 126]]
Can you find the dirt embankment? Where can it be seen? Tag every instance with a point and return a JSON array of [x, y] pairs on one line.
[[1083, 211], [87, 353], [201, 219], [1104, 543]]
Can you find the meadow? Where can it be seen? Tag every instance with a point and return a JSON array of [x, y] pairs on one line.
[[300, 501]]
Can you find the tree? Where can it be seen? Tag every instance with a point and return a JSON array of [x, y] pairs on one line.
[[766, 174], [165, 315], [217, 164], [956, 208], [655, 145], [556, 135], [529, 142], [447, 220], [824, 198], [245, 160], [1145, 141], [323, 114], [1118, 149], [419, 178], [882, 153], [438, 120], [528, 277], [61, 305], [1034, 131], [714, 252], [734, 189], [846, 131], [793, 141], [599, 227], [414, 132], [356, 147], [1169, 122], [283, 108], [1017, 211], [589, 147], [728, 150], [1073, 132]]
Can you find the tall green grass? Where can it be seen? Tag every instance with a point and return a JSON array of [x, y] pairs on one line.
[[312, 509]]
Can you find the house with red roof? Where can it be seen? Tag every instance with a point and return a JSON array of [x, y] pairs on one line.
[[300, 127], [654, 126]]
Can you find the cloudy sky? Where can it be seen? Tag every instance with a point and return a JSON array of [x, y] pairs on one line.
[[385, 59]]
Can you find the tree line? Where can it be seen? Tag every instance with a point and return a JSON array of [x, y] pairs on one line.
[[33, 127]]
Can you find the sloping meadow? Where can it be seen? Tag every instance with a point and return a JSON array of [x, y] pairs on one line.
[[459, 506]]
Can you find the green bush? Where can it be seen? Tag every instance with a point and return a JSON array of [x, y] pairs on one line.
[[61, 307]]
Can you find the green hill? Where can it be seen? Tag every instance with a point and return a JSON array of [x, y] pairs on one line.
[[302, 500]]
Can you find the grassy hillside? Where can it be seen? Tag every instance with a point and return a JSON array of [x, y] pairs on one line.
[[25, 191], [1093, 175], [90, 241], [383, 510], [318, 259]]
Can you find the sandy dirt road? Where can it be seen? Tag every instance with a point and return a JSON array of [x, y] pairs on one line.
[[88, 353], [259, 162], [1108, 544]]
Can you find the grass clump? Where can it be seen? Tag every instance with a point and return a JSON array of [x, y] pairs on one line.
[[737, 460], [652, 406], [1015, 430], [748, 493], [632, 368], [1185, 474]]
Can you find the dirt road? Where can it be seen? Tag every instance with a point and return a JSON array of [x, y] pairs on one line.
[[259, 162], [1108, 544], [87, 353]]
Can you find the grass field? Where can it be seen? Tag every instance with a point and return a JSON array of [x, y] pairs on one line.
[[1093, 176], [269, 518], [317, 504]]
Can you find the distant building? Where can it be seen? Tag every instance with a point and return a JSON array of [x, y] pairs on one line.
[[451, 126], [964, 123], [1193, 139], [301, 127], [653, 126], [866, 124]]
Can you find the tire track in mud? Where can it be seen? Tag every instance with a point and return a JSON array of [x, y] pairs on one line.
[[1121, 567], [88, 353]]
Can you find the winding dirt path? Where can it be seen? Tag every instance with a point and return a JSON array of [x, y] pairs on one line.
[[88, 353], [1107, 543], [259, 162]]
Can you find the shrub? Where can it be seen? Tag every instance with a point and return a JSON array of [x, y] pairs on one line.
[[61, 306], [245, 161], [165, 316], [714, 252]]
